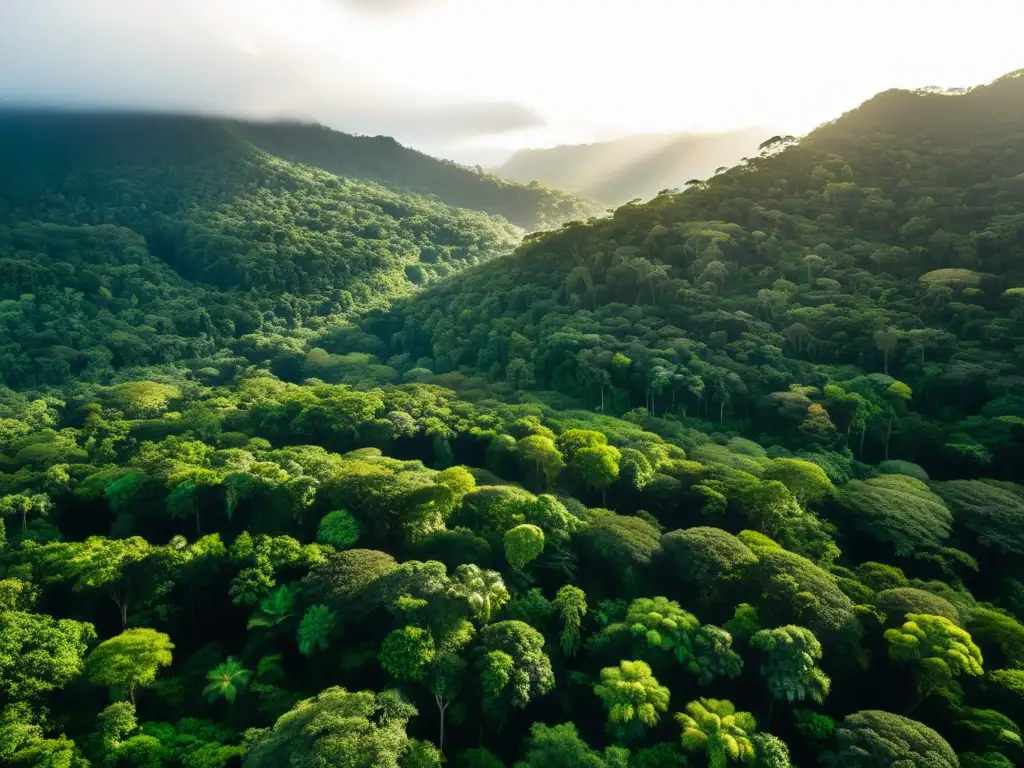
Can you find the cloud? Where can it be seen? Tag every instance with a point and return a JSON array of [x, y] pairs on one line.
[[389, 7], [245, 58]]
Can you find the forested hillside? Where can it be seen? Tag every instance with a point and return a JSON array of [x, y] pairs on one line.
[[615, 172], [857, 289], [384, 160], [142, 240], [727, 479]]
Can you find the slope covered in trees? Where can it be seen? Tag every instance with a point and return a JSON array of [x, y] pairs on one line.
[[143, 240], [383, 160], [636, 166], [856, 290], [708, 543]]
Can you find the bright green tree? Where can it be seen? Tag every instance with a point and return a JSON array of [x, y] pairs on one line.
[[715, 727], [631, 694], [227, 680], [523, 544], [407, 652], [130, 659], [792, 669], [940, 652], [571, 602]]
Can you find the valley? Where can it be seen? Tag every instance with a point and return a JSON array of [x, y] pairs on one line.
[[319, 451]]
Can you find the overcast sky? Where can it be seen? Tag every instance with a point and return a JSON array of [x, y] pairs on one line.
[[453, 75]]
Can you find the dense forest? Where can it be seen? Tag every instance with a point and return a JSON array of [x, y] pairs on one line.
[[615, 172], [299, 470], [530, 204]]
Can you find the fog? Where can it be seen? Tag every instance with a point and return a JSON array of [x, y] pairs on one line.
[[246, 58], [463, 76]]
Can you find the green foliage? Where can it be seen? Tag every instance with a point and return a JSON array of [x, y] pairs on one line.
[[339, 529], [560, 746], [876, 739], [333, 728], [406, 652], [631, 693], [485, 591], [529, 675], [940, 651], [227, 680], [39, 654], [792, 669], [897, 603], [130, 659], [898, 509], [771, 751], [571, 602], [315, 629], [523, 544], [715, 727]]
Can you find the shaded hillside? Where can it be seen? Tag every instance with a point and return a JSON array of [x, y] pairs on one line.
[[860, 286], [384, 160], [636, 166], [215, 239]]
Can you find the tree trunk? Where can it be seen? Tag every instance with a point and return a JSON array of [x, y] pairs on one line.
[[885, 357], [721, 412], [888, 434], [441, 708]]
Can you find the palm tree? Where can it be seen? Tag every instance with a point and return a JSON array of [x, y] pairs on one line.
[[277, 607], [714, 726], [484, 590], [226, 680]]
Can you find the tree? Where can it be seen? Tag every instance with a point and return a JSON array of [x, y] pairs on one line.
[[407, 652], [712, 655], [886, 341], [632, 695], [336, 727], [792, 667], [339, 529], [529, 674], [877, 739], [277, 607], [541, 454], [571, 603], [22, 505], [560, 746], [121, 568], [597, 467], [226, 681], [805, 480], [130, 659], [485, 591], [40, 654], [771, 751], [940, 651], [315, 629], [715, 727], [523, 544], [898, 510]]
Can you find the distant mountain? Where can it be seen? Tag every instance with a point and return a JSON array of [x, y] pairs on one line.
[[384, 160], [636, 166]]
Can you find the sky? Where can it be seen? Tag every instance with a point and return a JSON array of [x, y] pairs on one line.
[[476, 78]]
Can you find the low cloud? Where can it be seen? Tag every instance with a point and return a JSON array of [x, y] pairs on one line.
[[230, 57], [389, 7]]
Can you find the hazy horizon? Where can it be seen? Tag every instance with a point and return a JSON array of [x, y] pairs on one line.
[[477, 79]]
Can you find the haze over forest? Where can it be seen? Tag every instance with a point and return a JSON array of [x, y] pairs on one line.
[[422, 383]]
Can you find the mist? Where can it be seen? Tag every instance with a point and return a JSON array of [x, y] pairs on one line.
[[241, 58]]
